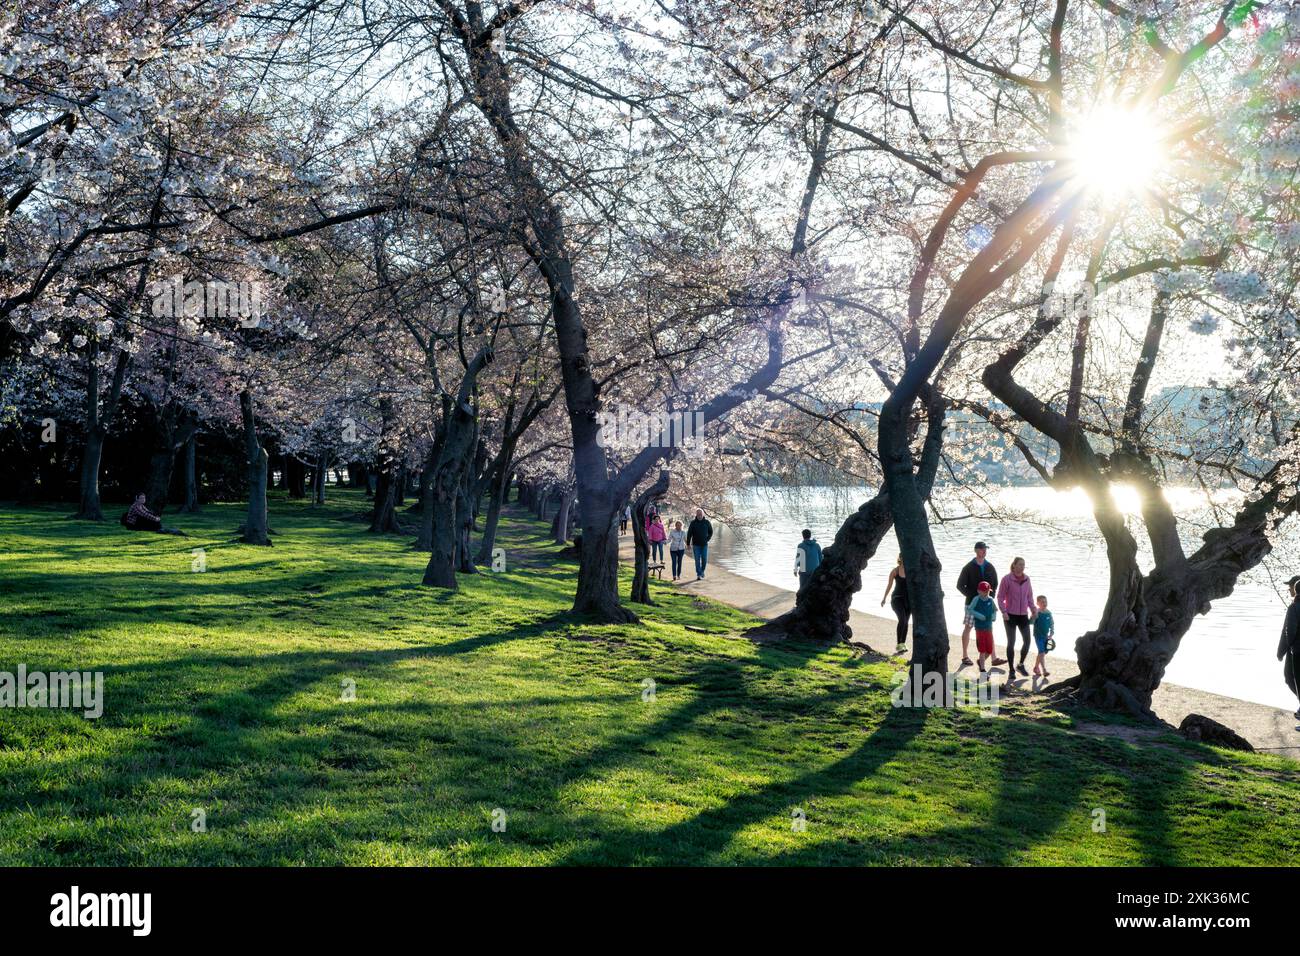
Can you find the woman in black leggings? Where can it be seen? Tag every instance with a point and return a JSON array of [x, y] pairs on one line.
[[1016, 601], [1013, 623], [900, 604]]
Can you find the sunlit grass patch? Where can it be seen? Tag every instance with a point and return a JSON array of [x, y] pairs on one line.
[[318, 706]]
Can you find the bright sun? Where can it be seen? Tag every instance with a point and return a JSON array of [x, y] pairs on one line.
[[1116, 152]]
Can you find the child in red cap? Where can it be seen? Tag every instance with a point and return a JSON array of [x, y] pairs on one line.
[[982, 611]]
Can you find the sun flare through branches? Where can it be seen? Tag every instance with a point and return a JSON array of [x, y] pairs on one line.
[[1117, 152]]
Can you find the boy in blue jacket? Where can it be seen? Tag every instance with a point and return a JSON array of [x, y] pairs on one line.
[[1044, 631], [982, 612]]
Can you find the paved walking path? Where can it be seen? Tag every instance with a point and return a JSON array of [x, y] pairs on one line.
[[1267, 728]]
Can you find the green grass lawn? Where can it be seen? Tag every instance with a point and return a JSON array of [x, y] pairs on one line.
[[224, 692]]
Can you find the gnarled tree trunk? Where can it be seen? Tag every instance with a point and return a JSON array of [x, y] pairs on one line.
[[172, 429], [454, 459], [1123, 660], [191, 505], [498, 489], [465, 525], [295, 475], [383, 517], [160, 478], [318, 480], [256, 530], [821, 611], [908, 489], [91, 456], [359, 476], [97, 423], [563, 517], [641, 541]]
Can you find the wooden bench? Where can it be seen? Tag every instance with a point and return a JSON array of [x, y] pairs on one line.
[[657, 570]]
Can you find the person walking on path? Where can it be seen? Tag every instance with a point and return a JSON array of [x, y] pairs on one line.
[[1044, 631], [1289, 648], [975, 571], [657, 537], [980, 612], [900, 603], [1016, 601], [624, 519], [698, 534], [677, 548], [806, 558]]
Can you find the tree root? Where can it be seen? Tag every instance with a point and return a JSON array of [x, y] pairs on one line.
[[794, 626], [604, 612]]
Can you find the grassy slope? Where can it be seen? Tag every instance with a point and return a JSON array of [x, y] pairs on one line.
[[223, 693]]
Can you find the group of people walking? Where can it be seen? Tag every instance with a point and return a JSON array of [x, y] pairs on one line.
[[695, 536], [1012, 597], [986, 597]]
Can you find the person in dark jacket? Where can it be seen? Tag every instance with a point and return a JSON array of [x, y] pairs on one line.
[[968, 583], [1289, 647], [698, 534]]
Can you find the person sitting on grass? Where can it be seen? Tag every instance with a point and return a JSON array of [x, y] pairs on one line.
[[140, 518], [1044, 631], [981, 612]]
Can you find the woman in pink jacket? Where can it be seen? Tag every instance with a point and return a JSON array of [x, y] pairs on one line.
[[657, 537], [1016, 601]]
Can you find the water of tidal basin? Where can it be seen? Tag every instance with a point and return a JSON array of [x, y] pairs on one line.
[[1231, 651]]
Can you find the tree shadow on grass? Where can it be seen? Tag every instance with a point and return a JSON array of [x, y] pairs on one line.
[[717, 685], [1039, 790], [254, 704], [230, 734], [212, 743], [235, 741], [707, 834]]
